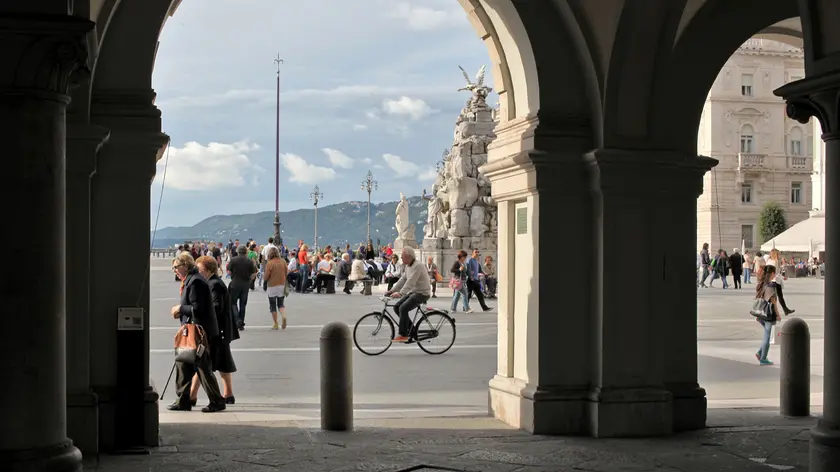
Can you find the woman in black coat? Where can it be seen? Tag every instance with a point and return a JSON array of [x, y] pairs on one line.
[[220, 350], [196, 307]]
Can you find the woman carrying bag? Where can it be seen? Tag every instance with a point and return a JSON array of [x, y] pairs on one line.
[[458, 283], [766, 310]]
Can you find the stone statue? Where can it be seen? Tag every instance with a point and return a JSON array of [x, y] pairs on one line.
[[402, 222], [434, 219], [478, 86]]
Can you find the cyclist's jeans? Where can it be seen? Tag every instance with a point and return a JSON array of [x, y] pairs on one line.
[[405, 306]]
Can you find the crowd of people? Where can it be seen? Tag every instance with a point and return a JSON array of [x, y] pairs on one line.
[[737, 265], [220, 308]]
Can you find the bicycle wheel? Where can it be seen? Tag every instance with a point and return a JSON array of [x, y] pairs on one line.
[[435, 332], [377, 331]]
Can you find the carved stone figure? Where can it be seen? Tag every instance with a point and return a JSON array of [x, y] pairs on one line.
[[402, 221], [434, 217]]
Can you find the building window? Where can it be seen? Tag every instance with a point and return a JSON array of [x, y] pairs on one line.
[[747, 236], [747, 141], [796, 141], [746, 193], [796, 192], [747, 85]]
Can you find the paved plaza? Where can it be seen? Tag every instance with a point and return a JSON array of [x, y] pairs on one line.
[[278, 377], [420, 412]]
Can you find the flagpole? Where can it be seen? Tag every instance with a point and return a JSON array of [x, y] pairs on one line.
[[277, 239]]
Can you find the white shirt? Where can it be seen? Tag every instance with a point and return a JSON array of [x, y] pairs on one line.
[[324, 265], [265, 250]]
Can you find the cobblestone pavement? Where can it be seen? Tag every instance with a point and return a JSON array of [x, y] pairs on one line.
[[471, 444]]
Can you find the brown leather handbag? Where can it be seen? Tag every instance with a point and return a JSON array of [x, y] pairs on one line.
[[190, 343]]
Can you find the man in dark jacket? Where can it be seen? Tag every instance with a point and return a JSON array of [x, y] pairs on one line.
[[242, 271], [342, 272], [196, 307]]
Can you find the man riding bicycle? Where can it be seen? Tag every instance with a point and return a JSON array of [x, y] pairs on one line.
[[413, 289]]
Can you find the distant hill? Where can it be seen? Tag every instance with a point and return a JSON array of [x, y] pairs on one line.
[[338, 224]]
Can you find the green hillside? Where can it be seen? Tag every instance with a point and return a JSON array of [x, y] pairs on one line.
[[340, 223]]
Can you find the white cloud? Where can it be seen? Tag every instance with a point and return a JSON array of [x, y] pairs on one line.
[[340, 95], [378, 166], [360, 127], [429, 175], [367, 160], [211, 167], [404, 168], [414, 108], [427, 19], [338, 158], [304, 172]]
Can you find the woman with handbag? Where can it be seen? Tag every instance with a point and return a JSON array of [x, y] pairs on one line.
[[432, 269], [766, 309], [220, 354], [194, 343], [458, 283]]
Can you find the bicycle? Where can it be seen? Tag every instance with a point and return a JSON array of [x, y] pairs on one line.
[[433, 321]]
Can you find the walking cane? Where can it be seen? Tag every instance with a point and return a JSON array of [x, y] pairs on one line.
[[167, 381]]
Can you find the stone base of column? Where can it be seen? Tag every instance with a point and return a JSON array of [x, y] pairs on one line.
[[538, 409], [152, 417], [83, 421], [631, 412], [62, 457], [690, 406], [825, 448], [107, 419]]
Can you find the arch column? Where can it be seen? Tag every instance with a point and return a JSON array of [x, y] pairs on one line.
[[644, 379], [819, 96], [544, 203], [44, 53], [83, 144], [120, 212]]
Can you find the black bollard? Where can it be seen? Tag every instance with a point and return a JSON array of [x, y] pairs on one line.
[[795, 384], [336, 377]]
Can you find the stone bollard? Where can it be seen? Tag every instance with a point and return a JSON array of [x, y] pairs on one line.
[[795, 383], [336, 377]]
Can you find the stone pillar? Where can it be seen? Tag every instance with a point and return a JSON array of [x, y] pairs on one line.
[[120, 213], [83, 144], [41, 55], [645, 226], [544, 203], [819, 97]]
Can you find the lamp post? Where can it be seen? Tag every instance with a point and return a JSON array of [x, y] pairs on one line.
[[369, 185], [316, 196], [277, 238]]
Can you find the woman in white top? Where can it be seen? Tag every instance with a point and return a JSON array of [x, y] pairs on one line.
[[326, 273]]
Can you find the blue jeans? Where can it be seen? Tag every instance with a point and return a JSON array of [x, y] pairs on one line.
[[765, 341], [747, 277], [462, 294]]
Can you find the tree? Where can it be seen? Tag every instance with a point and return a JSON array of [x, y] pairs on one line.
[[771, 221]]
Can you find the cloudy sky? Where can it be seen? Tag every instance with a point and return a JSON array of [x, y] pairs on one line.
[[365, 85]]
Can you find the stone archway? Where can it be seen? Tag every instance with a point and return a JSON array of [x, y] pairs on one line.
[[122, 101]]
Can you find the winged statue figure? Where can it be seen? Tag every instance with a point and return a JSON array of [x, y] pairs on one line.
[[477, 86]]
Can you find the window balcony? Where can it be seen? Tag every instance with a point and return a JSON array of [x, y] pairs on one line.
[[799, 163], [750, 161]]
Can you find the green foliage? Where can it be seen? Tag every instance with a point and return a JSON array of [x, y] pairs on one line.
[[771, 221]]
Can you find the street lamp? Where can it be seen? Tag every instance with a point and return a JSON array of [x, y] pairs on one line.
[[316, 196], [369, 185]]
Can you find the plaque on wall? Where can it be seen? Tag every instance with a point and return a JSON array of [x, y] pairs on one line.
[[522, 221]]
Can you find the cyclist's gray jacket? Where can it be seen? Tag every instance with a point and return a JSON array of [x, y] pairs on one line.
[[415, 279]]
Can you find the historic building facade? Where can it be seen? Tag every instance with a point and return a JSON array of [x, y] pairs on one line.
[[763, 155]]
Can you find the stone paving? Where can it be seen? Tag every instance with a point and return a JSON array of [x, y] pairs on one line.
[[736, 440]]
